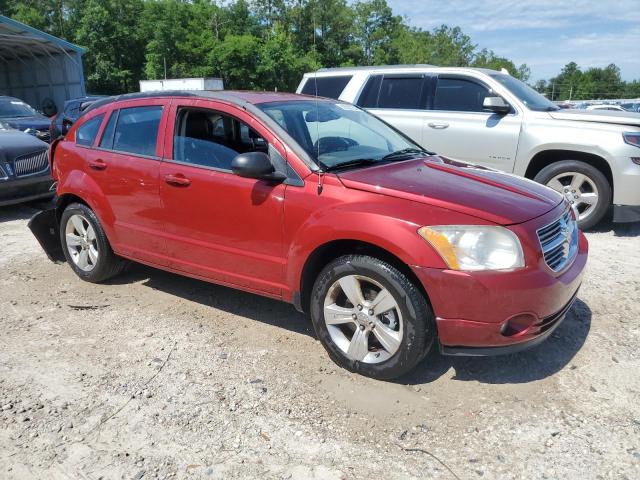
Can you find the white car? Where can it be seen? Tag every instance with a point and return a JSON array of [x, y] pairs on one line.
[[603, 106], [490, 118]]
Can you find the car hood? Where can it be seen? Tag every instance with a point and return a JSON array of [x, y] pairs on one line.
[[22, 123], [14, 144], [494, 196], [603, 116]]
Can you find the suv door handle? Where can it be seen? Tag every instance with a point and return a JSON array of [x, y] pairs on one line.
[[438, 126], [97, 164], [177, 180]]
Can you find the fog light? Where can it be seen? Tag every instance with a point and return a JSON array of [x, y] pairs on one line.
[[636, 160], [518, 324]]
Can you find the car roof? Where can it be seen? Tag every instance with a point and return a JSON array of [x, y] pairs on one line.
[[237, 97], [395, 69]]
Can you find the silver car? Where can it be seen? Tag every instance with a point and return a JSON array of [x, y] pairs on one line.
[[492, 119]]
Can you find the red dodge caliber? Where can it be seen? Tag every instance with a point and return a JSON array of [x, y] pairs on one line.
[[390, 248]]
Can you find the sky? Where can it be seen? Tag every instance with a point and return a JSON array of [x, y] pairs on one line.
[[544, 34]]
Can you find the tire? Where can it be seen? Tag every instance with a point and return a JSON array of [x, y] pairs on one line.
[[101, 262], [561, 175], [407, 330]]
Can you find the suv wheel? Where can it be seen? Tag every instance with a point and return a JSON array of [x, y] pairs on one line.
[[370, 317], [85, 245], [583, 185]]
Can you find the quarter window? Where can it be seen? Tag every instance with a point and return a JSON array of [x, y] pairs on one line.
[[87, 132], [107, 134], [459, 95], [213, 139], [330, 87], [137, 130]]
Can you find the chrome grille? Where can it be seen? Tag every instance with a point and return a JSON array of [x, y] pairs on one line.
[[559, 242], [31, 164]]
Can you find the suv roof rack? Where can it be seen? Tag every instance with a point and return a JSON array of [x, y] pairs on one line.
[[371, 67]]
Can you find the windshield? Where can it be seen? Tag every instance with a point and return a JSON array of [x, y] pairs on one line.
[[340, 135], [15, 108], [527, 95]]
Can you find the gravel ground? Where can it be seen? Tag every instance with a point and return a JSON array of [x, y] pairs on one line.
[[158, 376]]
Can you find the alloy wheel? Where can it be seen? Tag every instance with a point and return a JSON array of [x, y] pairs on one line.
[[363, 319], [579, 189], [81, 242]]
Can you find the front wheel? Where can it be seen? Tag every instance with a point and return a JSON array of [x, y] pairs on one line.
[[370, 317], [584, 186]]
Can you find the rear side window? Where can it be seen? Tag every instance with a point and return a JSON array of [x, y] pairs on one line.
[[459, 95], [107, 134], [87, 132], [401, 92], [137, 130], [330, 87]]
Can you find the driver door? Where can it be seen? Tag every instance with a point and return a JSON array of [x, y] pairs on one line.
[[219, 226]]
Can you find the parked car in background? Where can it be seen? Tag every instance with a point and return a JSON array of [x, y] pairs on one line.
[[17, 114], [493, 119], [320, 204], [24, 167], [62, 121], [606, 106], [631, 107]]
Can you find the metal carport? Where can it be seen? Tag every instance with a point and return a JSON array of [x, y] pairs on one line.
[[37, 67]]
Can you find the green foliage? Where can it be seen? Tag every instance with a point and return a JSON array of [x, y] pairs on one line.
[[594, 83], [268, 44]]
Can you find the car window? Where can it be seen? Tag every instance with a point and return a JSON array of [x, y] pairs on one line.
[[369, 96], [137, 130], [212, 139], [107, 134], [330, 87], [87, 132], [459, 95], [401, 92]]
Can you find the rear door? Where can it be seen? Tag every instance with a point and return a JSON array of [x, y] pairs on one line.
[[220, 226], [125, 163], [457, 126]]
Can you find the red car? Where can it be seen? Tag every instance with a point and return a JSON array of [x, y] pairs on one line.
[[389, 248]]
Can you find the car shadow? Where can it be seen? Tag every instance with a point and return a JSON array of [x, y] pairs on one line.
[[540, 362], [23, 211], [618, 229], [230, 300]]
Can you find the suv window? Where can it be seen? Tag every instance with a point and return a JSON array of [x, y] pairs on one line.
[[401, 92], [459, 95], [330, 87], [212, 139], [137, 130], [87, 132]]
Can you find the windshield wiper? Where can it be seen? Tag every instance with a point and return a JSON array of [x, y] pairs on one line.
[[404, 152], [356, 162]]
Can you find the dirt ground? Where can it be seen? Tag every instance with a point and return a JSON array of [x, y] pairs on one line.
[[158, 376]]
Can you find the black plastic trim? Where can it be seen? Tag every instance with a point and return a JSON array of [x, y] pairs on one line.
[[626, 213]]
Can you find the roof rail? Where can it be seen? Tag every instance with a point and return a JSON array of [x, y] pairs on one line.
[[370, 67]]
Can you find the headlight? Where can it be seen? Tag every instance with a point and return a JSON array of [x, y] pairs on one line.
[[473, 247], [632, 138]]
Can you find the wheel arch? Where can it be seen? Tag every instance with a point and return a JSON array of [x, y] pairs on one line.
[[325, 253], [547, 157]]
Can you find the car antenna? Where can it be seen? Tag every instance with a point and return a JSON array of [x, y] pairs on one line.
[[320, 171]]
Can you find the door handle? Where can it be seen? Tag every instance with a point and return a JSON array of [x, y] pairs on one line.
[[97, 164], [438, 126], [177, 180]]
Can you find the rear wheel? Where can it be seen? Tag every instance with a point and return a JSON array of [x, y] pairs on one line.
[[370, 317], [85, 245], [586, 188]]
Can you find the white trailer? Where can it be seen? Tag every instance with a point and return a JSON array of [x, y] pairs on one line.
[[181, 84]]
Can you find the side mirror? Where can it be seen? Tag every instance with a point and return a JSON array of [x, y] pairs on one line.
[[496, 105], [256, 165]]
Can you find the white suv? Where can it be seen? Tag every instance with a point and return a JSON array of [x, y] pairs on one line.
[[492, 119]]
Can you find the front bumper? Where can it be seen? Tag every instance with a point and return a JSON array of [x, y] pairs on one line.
[[19, 190], [474, 309]]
